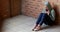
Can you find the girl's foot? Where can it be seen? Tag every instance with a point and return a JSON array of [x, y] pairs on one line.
[[34, 27], [37, 28]]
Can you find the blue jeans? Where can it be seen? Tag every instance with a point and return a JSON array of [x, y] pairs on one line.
[[44, 18]]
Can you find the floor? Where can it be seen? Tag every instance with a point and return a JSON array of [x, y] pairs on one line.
[[23, 23]]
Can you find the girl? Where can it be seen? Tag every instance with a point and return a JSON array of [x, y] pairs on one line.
[[47, 16]]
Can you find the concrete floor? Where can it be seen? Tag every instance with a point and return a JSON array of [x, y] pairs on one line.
[[23, 23]]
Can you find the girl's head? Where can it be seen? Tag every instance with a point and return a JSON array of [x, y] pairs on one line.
[[47, 9], [46, 3]]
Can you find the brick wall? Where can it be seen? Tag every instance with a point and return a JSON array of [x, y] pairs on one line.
[[34, 7]]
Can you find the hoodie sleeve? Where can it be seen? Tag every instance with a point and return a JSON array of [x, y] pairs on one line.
[[53, 14]]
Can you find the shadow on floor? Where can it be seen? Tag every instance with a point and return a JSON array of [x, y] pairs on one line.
[[49, 27]]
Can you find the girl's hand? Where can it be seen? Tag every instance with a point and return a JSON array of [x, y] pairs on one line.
[[47, 12]]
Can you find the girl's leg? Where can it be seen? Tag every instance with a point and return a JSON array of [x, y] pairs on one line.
[[40, 22], [48, 20], [41, 16], [40, 19]]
